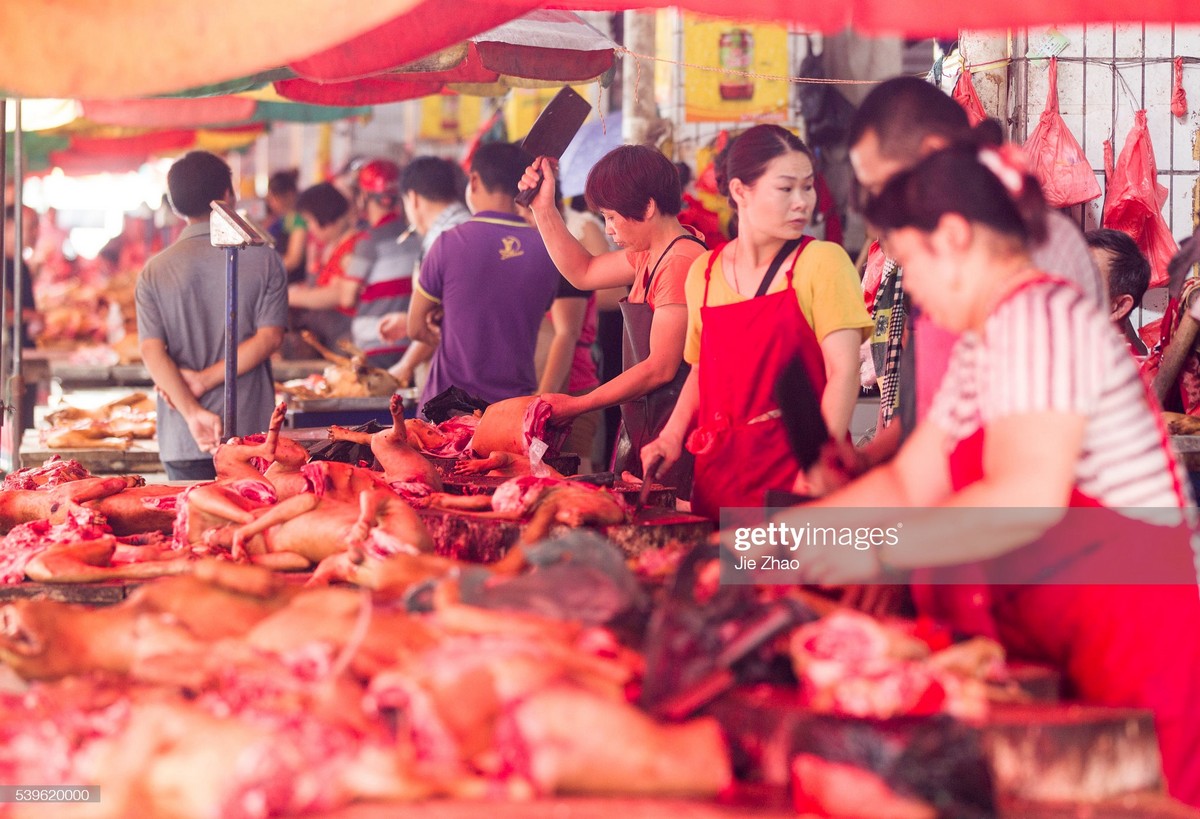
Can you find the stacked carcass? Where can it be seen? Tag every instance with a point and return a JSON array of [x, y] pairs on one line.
[[115, 425], [234, 696], [348, 376]]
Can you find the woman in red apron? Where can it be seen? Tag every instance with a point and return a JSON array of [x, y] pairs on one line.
[[763, 300], [1085, 559], [636, 189]]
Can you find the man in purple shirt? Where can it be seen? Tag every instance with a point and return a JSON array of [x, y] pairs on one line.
[[494, 281]]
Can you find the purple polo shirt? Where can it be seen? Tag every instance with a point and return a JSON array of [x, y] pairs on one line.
[[495, 281]]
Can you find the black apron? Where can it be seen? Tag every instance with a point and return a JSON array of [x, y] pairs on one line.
[[644, 418]]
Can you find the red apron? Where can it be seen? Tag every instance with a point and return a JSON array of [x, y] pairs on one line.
[[740, 444], [1119, 645]]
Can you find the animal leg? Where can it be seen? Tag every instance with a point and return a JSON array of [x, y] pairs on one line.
[[337, 433], [84, 562], [279, 513], [329, 355], [479, 466], [465, 503], [282, 561]]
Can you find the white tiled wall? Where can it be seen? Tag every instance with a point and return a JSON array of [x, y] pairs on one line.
[[1105, 74]]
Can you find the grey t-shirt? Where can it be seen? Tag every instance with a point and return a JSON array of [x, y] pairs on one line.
[[181, 301]]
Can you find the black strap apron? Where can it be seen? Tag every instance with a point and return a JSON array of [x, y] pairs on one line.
[[643, 418]]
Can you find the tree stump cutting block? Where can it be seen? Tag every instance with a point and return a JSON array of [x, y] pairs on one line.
[[1042, 752], [1047, 752]]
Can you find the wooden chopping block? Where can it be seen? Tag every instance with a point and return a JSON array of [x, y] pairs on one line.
[[1130, 806], [1044, 752], [480, 539], [1038, 752], [98, 594]]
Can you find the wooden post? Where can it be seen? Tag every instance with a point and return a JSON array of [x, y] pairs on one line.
[[638, 111]]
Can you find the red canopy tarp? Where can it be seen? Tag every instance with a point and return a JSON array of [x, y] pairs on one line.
[[119, 49], [541, 46], [170, 113], [919, 17]]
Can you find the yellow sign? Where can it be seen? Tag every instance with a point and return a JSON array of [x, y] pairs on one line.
[[450, 117], [736, 49]]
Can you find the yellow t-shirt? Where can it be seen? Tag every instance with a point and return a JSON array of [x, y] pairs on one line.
[[826, 285]]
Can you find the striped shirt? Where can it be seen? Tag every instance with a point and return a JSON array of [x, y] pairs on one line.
[[1048, 349], [385, 267]]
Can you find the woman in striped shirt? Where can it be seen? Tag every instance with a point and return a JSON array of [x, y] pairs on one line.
[[1051, 513]]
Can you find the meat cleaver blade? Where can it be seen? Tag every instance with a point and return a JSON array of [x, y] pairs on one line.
[[556, 126], [800, 407]]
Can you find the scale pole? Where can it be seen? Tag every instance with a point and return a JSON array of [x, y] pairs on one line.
[[16, 383], [229, 230], [231, 340], [5, 418]]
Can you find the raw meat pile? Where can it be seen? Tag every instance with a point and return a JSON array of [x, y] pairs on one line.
[[269, 506], [348, 377], [114, 425], [233, 697]]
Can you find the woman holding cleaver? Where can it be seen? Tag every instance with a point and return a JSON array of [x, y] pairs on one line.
[[757, 304], [636, 189]]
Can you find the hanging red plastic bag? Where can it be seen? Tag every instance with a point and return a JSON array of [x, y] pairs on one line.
[[965, 95], [1134, 200], [1178, 95], [1056, 159]]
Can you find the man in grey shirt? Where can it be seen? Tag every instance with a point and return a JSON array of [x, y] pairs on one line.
[[899, 123], [181, 325]]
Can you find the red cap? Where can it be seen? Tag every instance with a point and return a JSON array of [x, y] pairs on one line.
[[379, 176]]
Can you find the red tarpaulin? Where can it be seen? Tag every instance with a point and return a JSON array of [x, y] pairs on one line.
[[542, 46], [117, 49], [73, 164], [170, 113], [141, 145], [392, 44], [919, 18]]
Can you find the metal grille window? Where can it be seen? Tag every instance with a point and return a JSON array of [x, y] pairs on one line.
[[1105, 74]]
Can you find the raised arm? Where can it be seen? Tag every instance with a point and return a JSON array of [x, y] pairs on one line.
[[578, 266]]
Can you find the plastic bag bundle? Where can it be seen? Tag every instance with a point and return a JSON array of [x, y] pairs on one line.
[[1055, 157], [1134, 199], [965, 95], [1178, 95]]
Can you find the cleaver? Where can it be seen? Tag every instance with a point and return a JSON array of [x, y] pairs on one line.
[[556, 126], [800, 407]]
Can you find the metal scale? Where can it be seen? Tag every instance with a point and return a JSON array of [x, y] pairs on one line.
[[234, 233]]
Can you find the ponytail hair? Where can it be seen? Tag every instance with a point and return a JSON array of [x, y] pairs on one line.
[[977, 178]]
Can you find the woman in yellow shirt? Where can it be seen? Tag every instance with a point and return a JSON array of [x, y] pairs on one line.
[[763, 300]]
